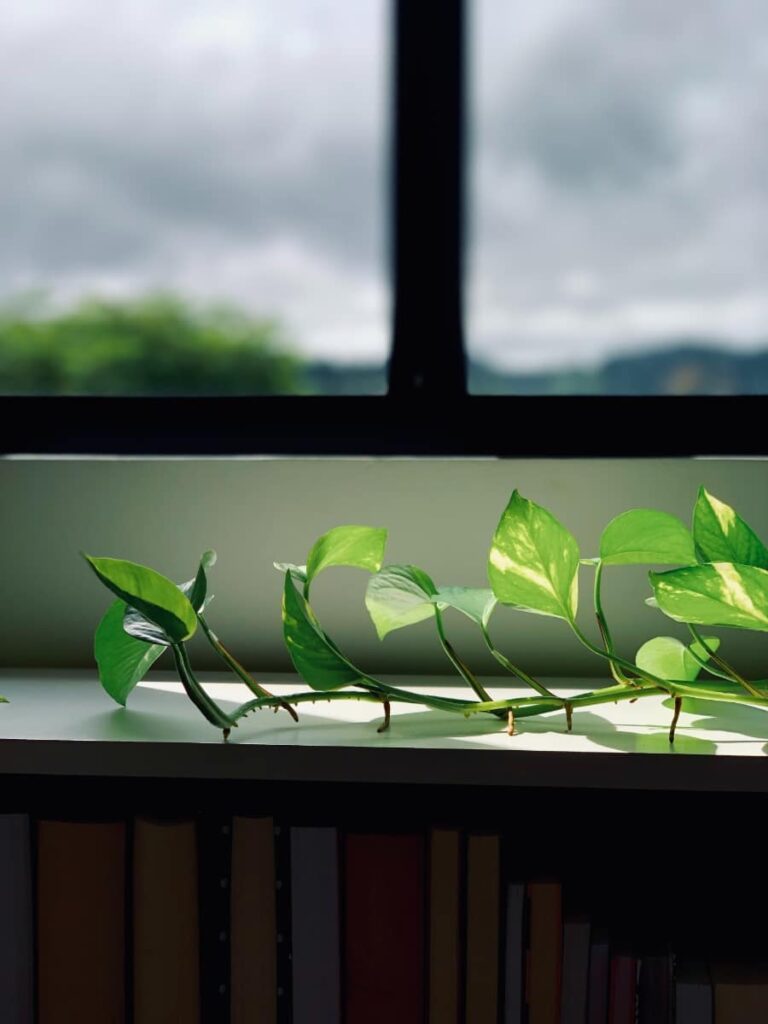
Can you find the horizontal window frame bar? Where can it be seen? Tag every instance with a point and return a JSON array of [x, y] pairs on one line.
[[464, 426]]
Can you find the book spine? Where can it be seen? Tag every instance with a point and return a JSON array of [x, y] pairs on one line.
[[81, 886], [253, 927], [444, 926], [214, 840], [514, 954], [315, 926], [482, 959], [16, 920], [384, 962], [166, 930], [545, 952]]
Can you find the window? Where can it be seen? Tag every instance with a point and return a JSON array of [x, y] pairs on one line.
[[426, 409], [193, 197], [618, 198]]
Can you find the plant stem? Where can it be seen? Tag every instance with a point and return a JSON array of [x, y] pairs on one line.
[[504, 661], [232, 663], [726, 670], [602, 623], [675, 716], [666, 684], [387, 713], [205, 704], [461, 667]]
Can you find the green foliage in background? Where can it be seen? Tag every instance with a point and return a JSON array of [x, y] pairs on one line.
[[156, 345], [719, 579]]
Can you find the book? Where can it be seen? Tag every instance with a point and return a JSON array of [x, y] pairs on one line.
[[482, 929], [81, 914], [654, 989], [166, 942], [693, 993], [514, 953], [575, 973], [384, 962], [545, 943], [622, 991], [253, 922], [315, 926], [444, 996], [741, 993], [599, 972], [16, 920]]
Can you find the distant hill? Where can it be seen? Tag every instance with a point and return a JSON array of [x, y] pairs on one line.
[[685, 367]]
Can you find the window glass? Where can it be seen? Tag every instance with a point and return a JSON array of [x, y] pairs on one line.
[[193, 196], [619, 187]]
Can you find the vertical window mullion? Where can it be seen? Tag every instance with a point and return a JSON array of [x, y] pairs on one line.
[[428, 346]]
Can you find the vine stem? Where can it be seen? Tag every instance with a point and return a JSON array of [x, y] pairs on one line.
[[232, 663], [205, 704], [461, 667], [726, 670], [602, 623], [515, 670]]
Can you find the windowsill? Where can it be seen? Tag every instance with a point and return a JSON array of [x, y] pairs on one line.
[[62, 723]]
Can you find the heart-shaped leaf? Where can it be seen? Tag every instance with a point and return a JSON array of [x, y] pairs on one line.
[[715, 594], [152, 594], [644, 535], [315, 657], [668, 658], [358, 546], [721, 535], [123, 661], [534, 561], [477, 603], [399, 595]]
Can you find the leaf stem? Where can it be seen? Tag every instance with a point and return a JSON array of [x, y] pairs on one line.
[[234, 665], [727, 671], [602, 623], [205, 704], [515, 670], [461, 667]]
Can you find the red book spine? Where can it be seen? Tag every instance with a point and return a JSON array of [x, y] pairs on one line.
[[384, 929], [621, 1005]]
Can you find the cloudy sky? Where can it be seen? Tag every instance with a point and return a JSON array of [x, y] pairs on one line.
[[235, 149]]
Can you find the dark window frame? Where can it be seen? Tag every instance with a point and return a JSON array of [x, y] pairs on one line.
[[427, 409]]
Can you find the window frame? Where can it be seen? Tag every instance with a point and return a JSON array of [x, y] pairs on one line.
[[427, 409]]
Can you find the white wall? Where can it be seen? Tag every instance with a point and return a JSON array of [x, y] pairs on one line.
[[440, 514]]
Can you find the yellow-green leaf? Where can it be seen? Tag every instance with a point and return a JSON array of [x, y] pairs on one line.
[[721, 535], [534, 561], [715, 594], [645, 535]]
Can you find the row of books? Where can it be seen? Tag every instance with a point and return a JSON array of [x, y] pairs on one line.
[[194, 920]]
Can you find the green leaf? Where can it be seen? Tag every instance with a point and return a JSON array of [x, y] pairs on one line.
[[154, 595], [399, 595], [477, 603], [142, 628], [358, 546], [716, 594], [721, 535], [647, 535], [123, 661], [315, 657], [534, 561], [668, 658], [199, 588]]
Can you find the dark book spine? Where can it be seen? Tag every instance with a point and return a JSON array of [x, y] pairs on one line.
[[384, 962]]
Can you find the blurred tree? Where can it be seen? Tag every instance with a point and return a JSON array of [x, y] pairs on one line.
[[155, 345]]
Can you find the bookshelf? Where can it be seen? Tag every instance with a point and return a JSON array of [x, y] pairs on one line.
[[654, 838], [62, 724]]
